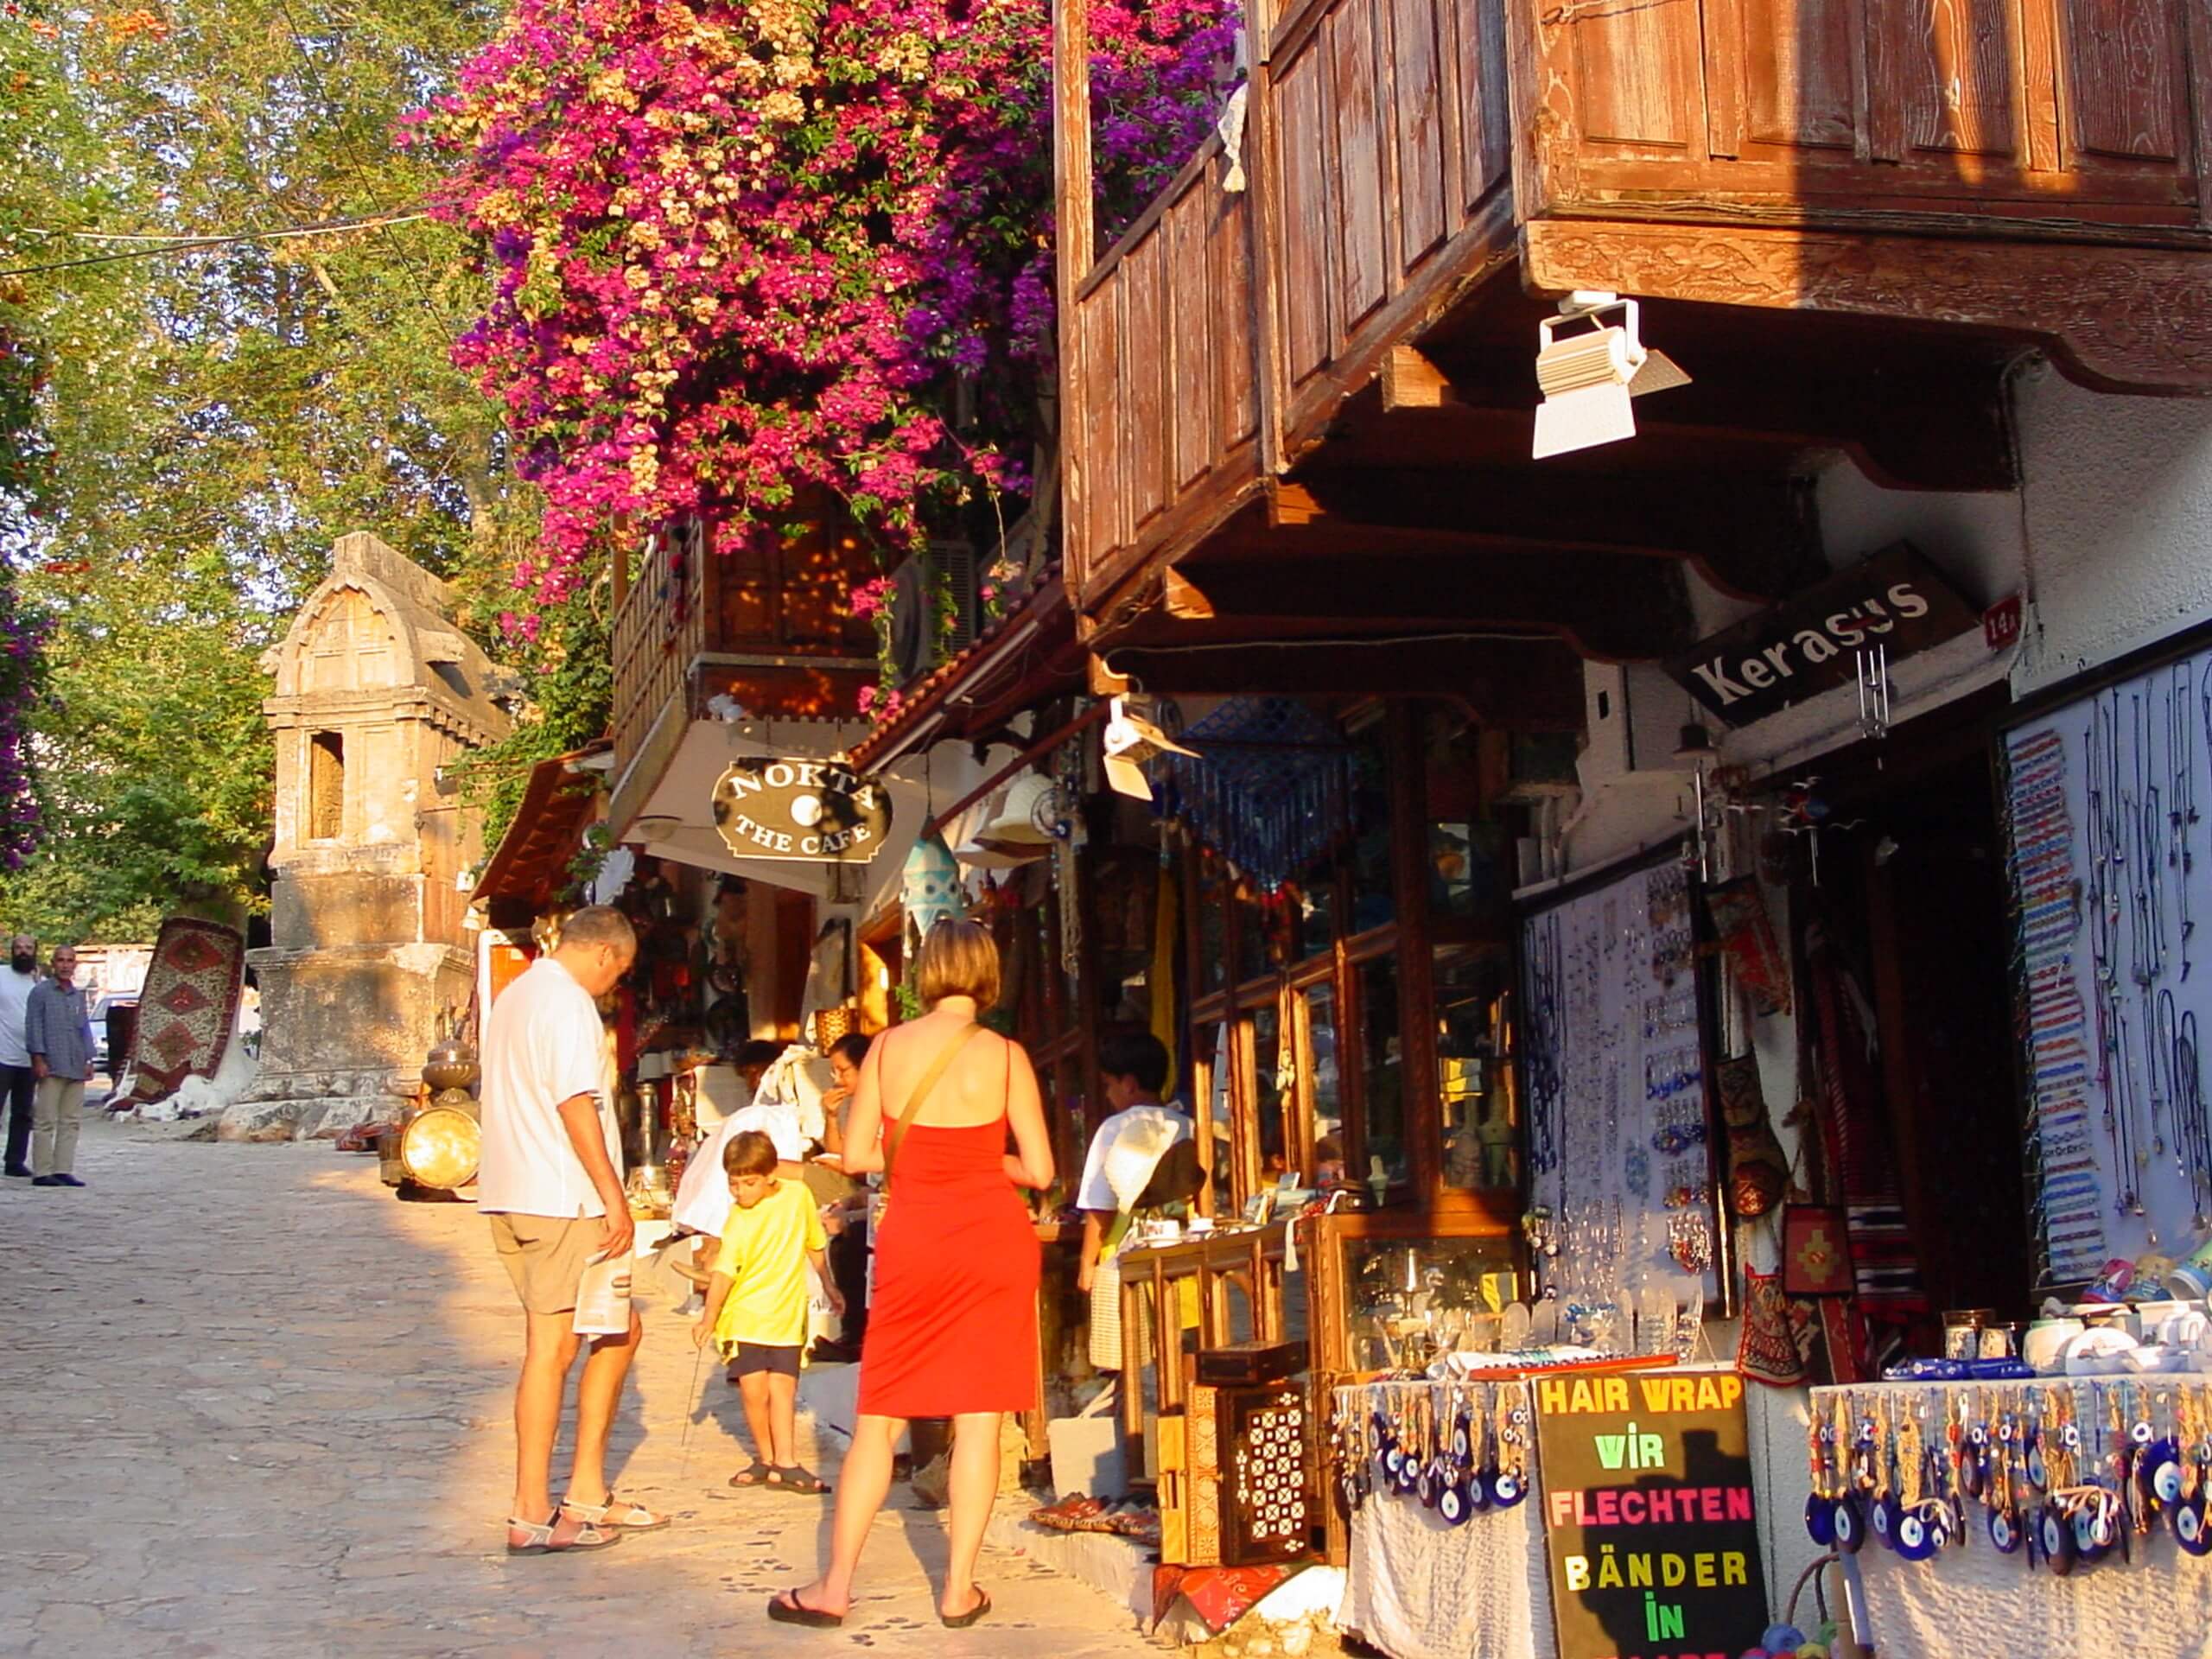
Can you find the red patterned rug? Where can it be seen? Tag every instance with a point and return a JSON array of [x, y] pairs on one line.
[[189, 1006]]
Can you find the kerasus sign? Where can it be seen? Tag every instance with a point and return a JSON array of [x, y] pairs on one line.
[[1813, 641], [812, 811]]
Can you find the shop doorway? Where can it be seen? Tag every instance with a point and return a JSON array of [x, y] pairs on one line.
[[1915, 899]]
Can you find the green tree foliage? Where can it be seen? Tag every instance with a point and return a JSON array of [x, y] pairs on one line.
[[216, 417]]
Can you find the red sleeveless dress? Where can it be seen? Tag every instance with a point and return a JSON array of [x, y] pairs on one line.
[[953, 1326]]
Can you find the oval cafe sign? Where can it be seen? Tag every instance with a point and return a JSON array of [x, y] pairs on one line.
[[813, 812]]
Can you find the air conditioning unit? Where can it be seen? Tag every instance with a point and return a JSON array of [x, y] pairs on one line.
[[943, 573], [1633, 717]]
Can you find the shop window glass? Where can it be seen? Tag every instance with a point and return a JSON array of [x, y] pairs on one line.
[[1474, 1081], [1214, 1112], [1381, 1064], [1410, 1299], [1374, 899], [1236, 1299], [1314, 904], [1267, 1053], [1328, 1090], [1266, 932], [1215, 969]]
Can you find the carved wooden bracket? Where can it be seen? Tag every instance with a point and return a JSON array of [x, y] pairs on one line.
[[2116, 318]]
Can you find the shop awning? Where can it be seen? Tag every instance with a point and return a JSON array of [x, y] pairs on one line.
[[1028, 656], [530, 867]]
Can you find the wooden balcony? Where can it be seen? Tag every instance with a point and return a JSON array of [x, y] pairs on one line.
[[771, 629], [1339, 358]]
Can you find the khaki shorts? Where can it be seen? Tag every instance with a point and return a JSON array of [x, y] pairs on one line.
[[546, 1255]]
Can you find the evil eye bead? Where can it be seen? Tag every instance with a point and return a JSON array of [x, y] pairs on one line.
[[1477, 1491], [1393, 1461], [1912, 1537], [1507, 1491], [1408, 1474], [1424, 1487], [1451, 1504], [1848, 1527], [2038, 1472], [2166, 1476], [2070, 1437], [2189, 1529], [1973, 1475], [2084, 1528], [2056, 1533], [1978, 1435], [2005, 1531], [1884, 1519], [1820, 1521], [1463, 1440], [2142, 1433]]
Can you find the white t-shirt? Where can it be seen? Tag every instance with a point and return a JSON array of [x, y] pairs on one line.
[[702, 1199], [542, 1045], [14, 1011], [1148, 1131]]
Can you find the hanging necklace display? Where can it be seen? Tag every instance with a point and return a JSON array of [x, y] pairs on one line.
[[2181, 759]]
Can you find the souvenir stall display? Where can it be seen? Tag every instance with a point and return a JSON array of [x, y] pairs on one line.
[[1623, 1234], [2060, 1511], [2112, 867]]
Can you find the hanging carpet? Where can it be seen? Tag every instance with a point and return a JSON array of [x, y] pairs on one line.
[[189, 1008]]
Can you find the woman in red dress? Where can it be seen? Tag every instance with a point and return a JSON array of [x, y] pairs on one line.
[[952, 1330]]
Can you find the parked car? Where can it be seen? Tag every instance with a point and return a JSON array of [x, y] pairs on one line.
[[113, 1016]]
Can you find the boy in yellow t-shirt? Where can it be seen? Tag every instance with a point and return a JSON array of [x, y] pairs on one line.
[[756, 1304]]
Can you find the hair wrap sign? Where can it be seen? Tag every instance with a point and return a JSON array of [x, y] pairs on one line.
[[1649, 1519]]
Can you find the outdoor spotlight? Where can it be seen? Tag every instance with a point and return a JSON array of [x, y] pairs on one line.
[[1130, 739], [1590, 362]]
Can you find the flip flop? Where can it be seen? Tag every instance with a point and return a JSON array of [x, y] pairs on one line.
[[617, 1512], [788, 1609], [546, 1538], [962, 1621], [805, 1482]]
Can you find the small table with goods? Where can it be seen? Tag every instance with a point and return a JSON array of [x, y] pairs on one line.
[[2045, 1518]]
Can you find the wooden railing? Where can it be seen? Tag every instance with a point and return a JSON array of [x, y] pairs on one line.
[[2077, 119], [1219, 334], [655, 641], [1747, 152]]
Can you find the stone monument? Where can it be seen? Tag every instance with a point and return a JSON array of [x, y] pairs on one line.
[[376, 692]]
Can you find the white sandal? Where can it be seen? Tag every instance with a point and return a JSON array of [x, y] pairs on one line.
[[548, 1538]]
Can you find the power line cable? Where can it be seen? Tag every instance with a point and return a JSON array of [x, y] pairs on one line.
[[196, 244]]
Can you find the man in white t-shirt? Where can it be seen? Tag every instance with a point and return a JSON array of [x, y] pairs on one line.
[[1128, 1148], [18, 1083], [551, 1187]]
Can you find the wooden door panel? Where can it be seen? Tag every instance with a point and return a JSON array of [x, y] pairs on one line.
[[1307, 223], [1417, 72], [1798, 58], [1144, 354], [1237, 365], [1638, 74], [1192, 297], [2123, 63], [1959, 77], [1486, 109], [1362, 167]]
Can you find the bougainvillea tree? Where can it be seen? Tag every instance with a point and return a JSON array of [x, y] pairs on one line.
[[744, 251]]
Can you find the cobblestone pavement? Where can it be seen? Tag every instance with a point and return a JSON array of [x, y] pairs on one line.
[[252, 1405]]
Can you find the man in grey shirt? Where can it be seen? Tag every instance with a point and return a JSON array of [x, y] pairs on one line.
[[58, 1032]]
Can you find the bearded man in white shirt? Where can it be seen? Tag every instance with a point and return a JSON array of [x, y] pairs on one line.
[[18, 1081], [551, 1187]]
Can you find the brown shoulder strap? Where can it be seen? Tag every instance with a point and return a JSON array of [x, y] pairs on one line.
[[895, 1136]]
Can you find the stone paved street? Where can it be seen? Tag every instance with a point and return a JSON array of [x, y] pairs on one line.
[[252, 1405]]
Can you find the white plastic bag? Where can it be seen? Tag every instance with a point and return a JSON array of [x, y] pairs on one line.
[[603, 1296]]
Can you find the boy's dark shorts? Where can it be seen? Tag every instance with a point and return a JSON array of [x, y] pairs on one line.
[[777, 1361]]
